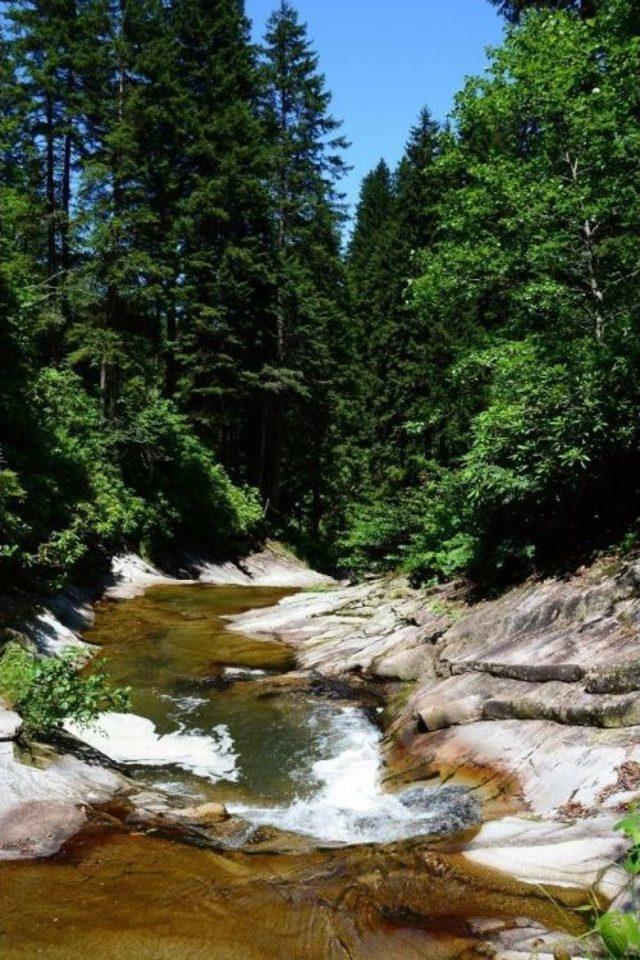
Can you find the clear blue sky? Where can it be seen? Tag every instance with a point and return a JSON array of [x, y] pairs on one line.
[[386, 59]]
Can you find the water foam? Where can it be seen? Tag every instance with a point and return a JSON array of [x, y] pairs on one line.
[[129, 739], [349, 805]]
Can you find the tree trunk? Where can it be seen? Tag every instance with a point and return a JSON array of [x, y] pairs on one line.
[[171, 367], [588, 233], [66, 201], [104, 390], [51, 191]]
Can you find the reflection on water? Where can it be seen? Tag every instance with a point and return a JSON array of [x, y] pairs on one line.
[[138, 898], [172, 648], [282, 757]]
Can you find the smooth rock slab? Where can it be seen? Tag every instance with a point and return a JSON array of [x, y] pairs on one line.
[[269, 568], [10, 724], [465, 698], [557, 630], [544, 768], [40, 806], [578, 855], [379, 628]]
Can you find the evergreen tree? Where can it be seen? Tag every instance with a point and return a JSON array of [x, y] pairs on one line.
[[226, 262], [396, 217], [46, 40], [306, 164]]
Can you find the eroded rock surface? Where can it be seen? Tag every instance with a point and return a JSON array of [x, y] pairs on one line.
[[43, 799], [532, 697], [532, 701]]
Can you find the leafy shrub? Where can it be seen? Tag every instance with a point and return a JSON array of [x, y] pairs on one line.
[[552, 435], [48, 691], [620, 931], [185, 491], [77, 488], [17, 670]]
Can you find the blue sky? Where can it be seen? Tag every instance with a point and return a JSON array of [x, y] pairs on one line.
[[385, 59]]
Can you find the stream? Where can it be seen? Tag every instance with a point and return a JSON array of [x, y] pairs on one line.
[[221, 716]]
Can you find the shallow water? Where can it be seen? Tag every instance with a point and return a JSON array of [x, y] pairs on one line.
[[276, 755]]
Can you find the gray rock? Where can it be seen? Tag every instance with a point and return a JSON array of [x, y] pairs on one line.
[[10, 723], [38, 828], [449, 809], [41, 805]]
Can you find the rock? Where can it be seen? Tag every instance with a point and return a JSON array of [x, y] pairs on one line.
[[557, 630], [52, 637], [465, 698], [206, 813], [451, 808], [535, 766], [40, 805], [131, 576], [272, 567], [10, 723], [378, 628], [580, 855], [38, 828]]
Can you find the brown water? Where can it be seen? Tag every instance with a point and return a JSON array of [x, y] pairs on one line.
[[113, 895], [172, 648]]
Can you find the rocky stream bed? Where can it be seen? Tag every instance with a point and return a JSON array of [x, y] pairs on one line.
[[320, 770]]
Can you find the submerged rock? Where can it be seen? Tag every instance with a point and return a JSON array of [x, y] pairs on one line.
[[450, 808], [206, 813]]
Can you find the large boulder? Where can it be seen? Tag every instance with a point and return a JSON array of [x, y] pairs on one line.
[[42, 805]]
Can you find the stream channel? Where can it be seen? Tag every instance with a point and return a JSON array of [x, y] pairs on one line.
[[327, 864]]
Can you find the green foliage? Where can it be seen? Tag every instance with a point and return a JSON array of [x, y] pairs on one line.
[[521, 415], [48, 691], [513, 10], [17, 672], [620, 931], [171, 318], [147, 479]]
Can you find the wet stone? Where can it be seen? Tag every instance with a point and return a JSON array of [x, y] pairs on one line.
[[450, 808]]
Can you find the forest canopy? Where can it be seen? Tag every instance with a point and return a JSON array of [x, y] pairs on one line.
[[197, 350]]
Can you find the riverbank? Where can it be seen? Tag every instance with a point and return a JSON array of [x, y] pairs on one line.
[[47, 795], [531, 700], [552, 775]]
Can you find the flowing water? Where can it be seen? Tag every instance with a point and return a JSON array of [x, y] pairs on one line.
[[217, 715]]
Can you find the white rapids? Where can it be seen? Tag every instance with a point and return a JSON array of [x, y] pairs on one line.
[[130, 739], [348, 804]]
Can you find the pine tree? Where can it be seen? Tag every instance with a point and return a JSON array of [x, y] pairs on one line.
[[45, 39], [226, 269], [396, 218], [306, 164]]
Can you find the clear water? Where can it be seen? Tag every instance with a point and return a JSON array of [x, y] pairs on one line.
[[279, 757], [204, 723]]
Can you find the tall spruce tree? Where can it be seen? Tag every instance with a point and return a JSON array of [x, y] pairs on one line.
[[46, 40], [396, 217], [226, 258], [306, 164]]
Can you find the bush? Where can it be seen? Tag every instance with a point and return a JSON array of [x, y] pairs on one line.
[[620, 931], [48, 691], [547, 474], [76, 488]]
